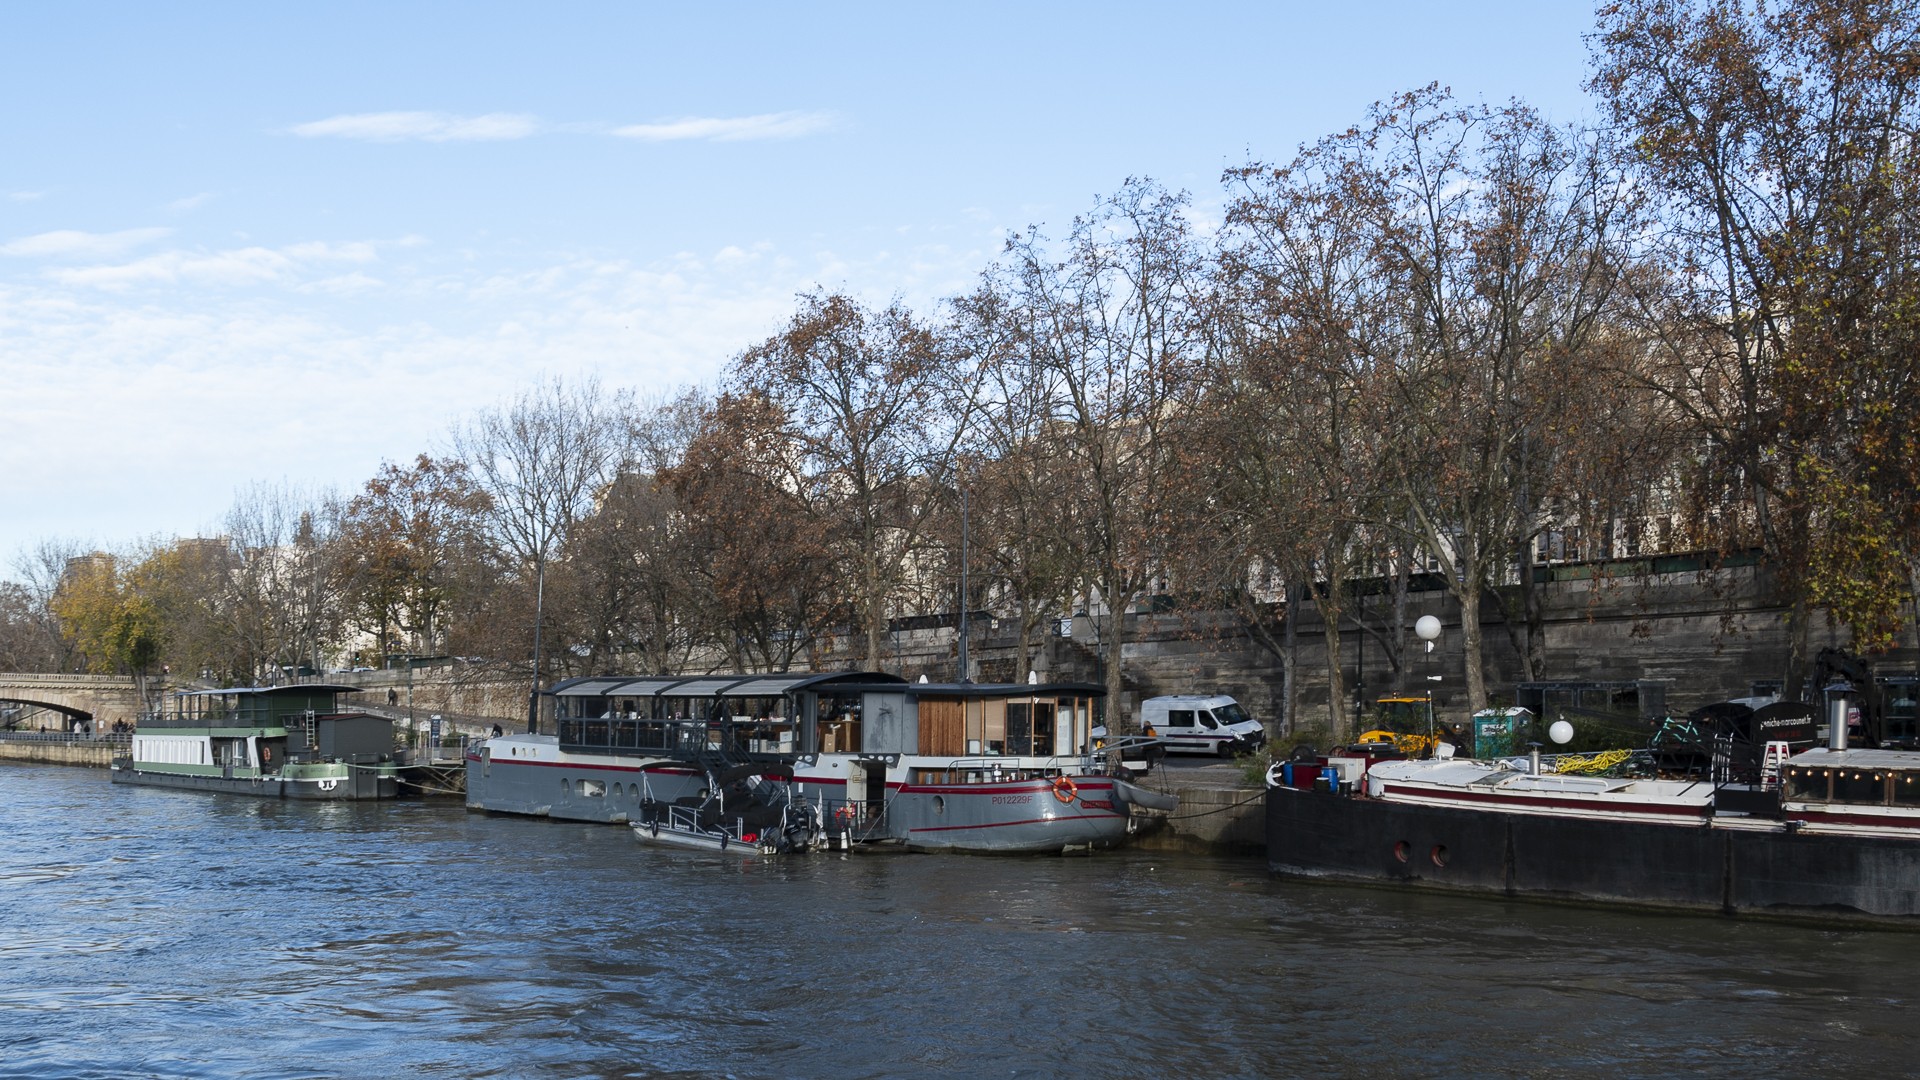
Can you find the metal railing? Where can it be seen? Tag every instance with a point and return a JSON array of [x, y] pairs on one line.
[[120, 739]]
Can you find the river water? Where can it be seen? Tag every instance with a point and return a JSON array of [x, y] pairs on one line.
[[177, 934]]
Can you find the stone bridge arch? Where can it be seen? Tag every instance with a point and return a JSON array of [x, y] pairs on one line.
[[71, 713], [99, 700]]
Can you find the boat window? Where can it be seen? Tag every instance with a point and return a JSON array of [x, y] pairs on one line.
[[1019, 727], [1858, 786], [1906, 788], [593, 789]]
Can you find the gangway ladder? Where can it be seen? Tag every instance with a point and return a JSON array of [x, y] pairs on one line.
[[313, 747], [1773, 762]]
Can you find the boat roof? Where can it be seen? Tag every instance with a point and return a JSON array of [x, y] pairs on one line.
[[703, 686], [1821, 757], [993, 690], [305, 688], [761, 685]]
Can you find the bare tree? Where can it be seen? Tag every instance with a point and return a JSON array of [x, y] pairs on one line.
[[1500, 234], [632, 578], [1306, 318], [407, 541], [40, 570], [1108, 323], [873, 406], [760, 546], [1779, 139], [543, 459], [278, 584]]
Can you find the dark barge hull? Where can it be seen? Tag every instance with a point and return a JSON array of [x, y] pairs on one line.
[[370, 786], [1730, 866]]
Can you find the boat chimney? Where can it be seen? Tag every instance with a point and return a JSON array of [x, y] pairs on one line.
[[1533, 759], [1837, 711]]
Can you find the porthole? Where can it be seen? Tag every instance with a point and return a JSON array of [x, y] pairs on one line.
[[1438, 855], [939, 804], [1401, 850]]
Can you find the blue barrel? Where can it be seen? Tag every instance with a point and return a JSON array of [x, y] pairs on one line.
[[1286, 773], [1332, 776]]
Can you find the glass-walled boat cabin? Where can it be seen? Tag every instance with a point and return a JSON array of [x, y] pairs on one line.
[[752, 715], [845, 713]]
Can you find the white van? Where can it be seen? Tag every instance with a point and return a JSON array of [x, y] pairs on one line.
[[1201, 724]]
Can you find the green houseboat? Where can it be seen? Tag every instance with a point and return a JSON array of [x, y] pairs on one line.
[[277, 742]]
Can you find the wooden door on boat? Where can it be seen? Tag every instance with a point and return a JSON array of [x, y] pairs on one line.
[[943, 727]]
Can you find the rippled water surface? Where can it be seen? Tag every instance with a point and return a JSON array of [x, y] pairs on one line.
[[177, 934]]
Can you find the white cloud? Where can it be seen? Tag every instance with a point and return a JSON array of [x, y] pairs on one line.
[[236, 266], [781, 125], [425, 126], [71, 243], [164, 359], [343, 285]]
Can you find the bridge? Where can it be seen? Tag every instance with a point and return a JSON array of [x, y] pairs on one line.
[[69, 702]]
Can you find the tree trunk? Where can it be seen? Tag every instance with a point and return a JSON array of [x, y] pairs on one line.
[[1791, 679], [1336, 681], [1470, 644], [1533, 652], [1289, 661], [876, 612], [1402, 585]]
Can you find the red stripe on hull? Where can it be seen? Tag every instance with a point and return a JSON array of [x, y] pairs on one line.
[[674, 769], [1818, 817], [1029, 821], [1497, 799]]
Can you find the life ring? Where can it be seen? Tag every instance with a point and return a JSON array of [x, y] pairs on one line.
[[846, 813], [1065, 789]]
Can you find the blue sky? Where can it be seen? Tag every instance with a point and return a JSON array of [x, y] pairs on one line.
[[250, 243]]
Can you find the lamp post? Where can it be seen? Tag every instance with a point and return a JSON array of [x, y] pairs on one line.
[[964, 628], [1427, 628]]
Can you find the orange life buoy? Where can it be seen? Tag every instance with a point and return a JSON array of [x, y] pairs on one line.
[[1065, 789], [845, 813]]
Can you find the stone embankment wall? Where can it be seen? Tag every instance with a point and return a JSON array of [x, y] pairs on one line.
[[460, 694], [52, 751], [1211, 818], [1706, 637]]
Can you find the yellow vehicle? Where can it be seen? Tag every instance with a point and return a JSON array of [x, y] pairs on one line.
[[1414, 746], [1406, 722], [1403, 714]]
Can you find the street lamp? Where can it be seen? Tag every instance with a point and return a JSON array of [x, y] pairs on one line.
[[1427, 628]]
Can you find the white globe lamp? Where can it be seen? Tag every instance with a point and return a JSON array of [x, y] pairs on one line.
[[1561, 732]]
